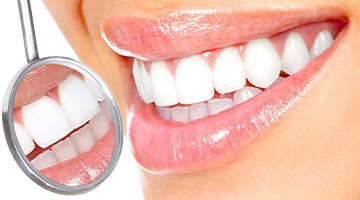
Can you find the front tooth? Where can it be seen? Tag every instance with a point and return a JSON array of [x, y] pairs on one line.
[[100, 124], [262, 63], [180, 114], [77, 100], [163, 82], [194, 80], [164, 112], [296, 54], [198, 111], [245, 94], [25, 141], [217, 105], [65, 150], [229, 74], [83, 139], [45, 121], [44, 160], [322, 42]]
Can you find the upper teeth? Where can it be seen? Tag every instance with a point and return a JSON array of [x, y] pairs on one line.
[[192, 80]]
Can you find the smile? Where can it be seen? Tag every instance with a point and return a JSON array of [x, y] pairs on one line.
[[201, 107]]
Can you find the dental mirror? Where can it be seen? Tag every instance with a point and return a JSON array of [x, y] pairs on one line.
[[60, 120]]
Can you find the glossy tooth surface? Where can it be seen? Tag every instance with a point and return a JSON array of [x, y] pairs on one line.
[[198, 111], [262, 63], [100, 124], [25, 141], [77, 100], [83, 139], [217, 105], [194, 80], [94, 90], [147, 85], [229, 74], [245, 94], [164, 112], [163, 82], [65, 150], [44, 160], [45, 121], [322, 42], [138, 80], [180, 114], [296, 54]]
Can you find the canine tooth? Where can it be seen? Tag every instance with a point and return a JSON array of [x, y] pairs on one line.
[[164, 112], [77, 100], [245, 94], [220, 104], [163, 82], [138, 80], [229, 74], [44, 160], [279, 80], [147, 85], [262, 63], [83, 139], [296, 54], [322, 42], [25, 141], [94, 90], [65, 150], [45, 121], [198, 111], [180, 114], [194, 80], [100, 124]]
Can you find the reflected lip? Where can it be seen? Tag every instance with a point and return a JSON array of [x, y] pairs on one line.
[[162, 146]]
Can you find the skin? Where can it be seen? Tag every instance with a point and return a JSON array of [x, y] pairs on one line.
[[311, 153]]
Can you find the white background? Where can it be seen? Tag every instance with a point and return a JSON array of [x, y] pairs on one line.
[[123, 183]]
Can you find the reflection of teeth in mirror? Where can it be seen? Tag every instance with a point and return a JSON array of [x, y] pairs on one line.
[[81, 141], [25, 141], [95, 91]]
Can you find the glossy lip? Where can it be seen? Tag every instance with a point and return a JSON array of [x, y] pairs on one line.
[[162, 146]]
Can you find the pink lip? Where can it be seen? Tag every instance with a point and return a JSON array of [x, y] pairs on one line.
[[162, 146]]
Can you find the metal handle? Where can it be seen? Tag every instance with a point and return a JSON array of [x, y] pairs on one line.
[[28, 30]]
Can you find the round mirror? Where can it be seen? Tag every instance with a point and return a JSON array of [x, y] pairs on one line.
[[62, 125]]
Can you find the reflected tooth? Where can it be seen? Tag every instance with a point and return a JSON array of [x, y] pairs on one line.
[[103, 105], [147, 85], [44, 160], [83, 139], [163, 82], [220, 104], [77, 100], [100, 124], [279, 80], [245, 94], [164, 112], [94, 90], [180, 114], [194, 80], [229, 74], [322, 42], [25, 141], [198, 111], [296, 54], [262, 63], [65, 150], [45, 121]]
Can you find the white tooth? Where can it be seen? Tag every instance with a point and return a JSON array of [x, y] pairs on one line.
[[45, 121], [194, 80], [180, 114], [163, 82], [138, 79], [322, 42], [279, 80], [25, 141], [245, 94], [83, 139], [229, 74], [100, 124], [44, 160], [147, 85], [77, 100], [219, 104], [164, 112], [94, 90], [198, 111], [296, 54], [103, 105], [65, 150], [262, 63]]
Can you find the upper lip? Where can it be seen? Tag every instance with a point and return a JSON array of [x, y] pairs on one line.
[[185, 33]]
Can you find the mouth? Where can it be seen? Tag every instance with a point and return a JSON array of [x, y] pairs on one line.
[[201, 107], [63, 125]]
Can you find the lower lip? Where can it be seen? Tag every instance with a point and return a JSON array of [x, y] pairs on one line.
[[161, 146]]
